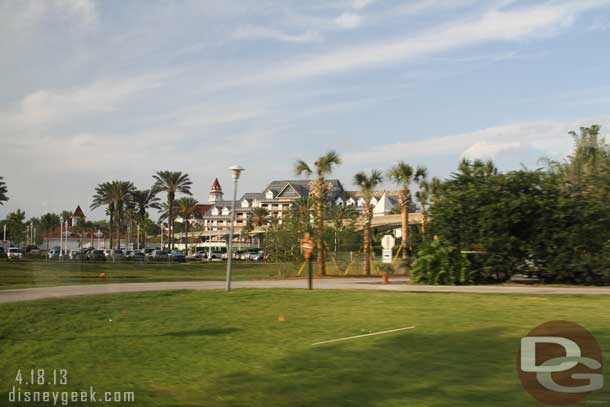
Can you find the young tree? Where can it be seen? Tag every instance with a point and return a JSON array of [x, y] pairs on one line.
[[260, 216], [186, 208], [120, 192], [172, 183], [144, 200], [403, 175], [424, 196], [103, 197], [367, 184], [15, 226], [319, 191]]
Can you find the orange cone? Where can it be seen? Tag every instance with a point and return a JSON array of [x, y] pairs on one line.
[[102, 275], [281, 318]]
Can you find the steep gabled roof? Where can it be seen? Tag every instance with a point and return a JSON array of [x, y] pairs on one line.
[[216, 186], [78, 213], [299, 191], [302, 186]]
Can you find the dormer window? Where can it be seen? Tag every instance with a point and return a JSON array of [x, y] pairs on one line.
[[245, 203], [351, 202], [215, 212], [225, 211], [339, 201], [269, 194]]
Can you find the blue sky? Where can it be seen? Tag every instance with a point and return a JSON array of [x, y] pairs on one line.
[[94, 91]]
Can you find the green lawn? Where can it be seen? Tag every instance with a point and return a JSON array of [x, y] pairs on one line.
[[22, 274], [229, 349]]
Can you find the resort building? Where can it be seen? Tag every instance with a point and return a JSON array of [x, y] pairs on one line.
[[276, 198]]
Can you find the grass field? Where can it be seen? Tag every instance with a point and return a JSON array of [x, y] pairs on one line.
[[22, 274], [217, 349]]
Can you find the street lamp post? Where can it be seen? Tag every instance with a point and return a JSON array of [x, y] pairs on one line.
[[66, 235], [209, 240], [61, 237], [235, 172]]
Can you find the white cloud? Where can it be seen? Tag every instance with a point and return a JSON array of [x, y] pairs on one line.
[[83, 10], [487, 150], [48, 107], [250, 32], [509, 25], [361, 4], [548, 138], [348, 20], [600, 25]]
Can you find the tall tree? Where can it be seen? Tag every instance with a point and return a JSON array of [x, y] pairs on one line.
[[367, 184], [121, 195], [103, 197], [428, 189], [319, 190], [172, 183], [3, 191], [403, 175], [15, 226], [186, 208], [144, 200]]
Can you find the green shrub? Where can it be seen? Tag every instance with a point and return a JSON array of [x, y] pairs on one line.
[[440, 264]]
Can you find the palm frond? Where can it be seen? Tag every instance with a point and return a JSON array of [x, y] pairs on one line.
[[301, 168]]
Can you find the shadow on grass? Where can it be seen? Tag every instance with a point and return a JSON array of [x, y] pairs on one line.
[[470, 368], [178, 334]]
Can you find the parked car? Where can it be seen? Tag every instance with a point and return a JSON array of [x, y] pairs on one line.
[[256, 256], [74, 255], [177, 255], [159, 255], [117, 254], [148, 252], [14, 253], [217, 255], [97, 255], [201, 254], [54, 253], [32, 250], [128, 253], [107, 252], [138, 255]]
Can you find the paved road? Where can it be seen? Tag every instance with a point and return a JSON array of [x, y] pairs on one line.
[[27, 294]]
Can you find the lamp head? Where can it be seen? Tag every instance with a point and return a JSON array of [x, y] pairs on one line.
[[236, 171]]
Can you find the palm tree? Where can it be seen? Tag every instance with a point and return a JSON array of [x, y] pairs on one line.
[[171, 182], [367, 185], [300, 211], [103, 197], [144, 200], [120, 192], [424, 196], [187, 209], [3, 191], [403, 175], [319, 190], [260, 216]]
